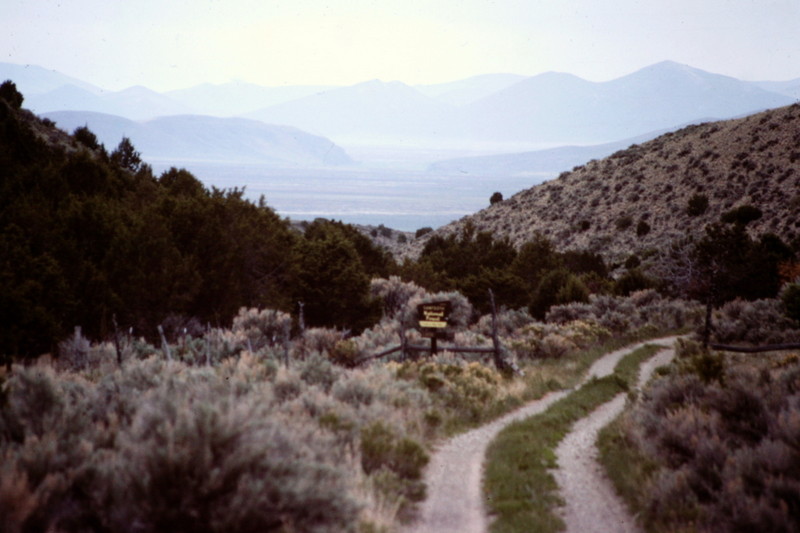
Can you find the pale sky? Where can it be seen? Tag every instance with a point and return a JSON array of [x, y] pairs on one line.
[[173, 44]]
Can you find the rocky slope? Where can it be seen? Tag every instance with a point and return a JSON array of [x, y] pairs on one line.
[[638, 199]]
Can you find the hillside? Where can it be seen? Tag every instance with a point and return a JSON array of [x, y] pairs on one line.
[[637, 199]]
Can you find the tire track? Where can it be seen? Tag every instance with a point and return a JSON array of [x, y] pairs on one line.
[[454, 475], [592, 504]]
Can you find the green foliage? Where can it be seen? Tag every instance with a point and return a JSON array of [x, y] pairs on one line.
[[698, 204], [422, 231], [396, 463], [790, 296], [633, 280], [126, 156], [10, 94], [332, 280], [557, 287], [742, 215], [624, 222], [86, 137], [84, 238]]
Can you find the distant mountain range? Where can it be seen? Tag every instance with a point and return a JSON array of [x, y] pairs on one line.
[[208, 139], [492, 110]]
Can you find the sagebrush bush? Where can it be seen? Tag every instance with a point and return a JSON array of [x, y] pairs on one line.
[[470, 391], [394, 293], [74, 350], [316, 341], [790, 297], [508, 321], [547, 341], [158, 445], [638, 310], [724, 451], [261, 328], [754, 322]]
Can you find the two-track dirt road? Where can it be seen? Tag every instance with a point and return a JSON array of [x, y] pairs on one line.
[[453, 477]]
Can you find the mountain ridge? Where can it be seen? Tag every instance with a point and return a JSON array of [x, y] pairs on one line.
[[552, 108], [199, 137]]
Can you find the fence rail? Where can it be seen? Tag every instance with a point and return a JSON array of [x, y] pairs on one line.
[[755, 349]]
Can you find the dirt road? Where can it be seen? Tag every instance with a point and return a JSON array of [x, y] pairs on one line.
[[592, 505], [453, 476]]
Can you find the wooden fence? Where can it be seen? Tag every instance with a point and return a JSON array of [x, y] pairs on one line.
[[755, 349]]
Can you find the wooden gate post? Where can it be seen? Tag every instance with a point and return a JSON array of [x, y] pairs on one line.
[[498, 357]]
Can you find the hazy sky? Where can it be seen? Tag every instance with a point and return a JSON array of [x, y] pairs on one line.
[[171, 44]]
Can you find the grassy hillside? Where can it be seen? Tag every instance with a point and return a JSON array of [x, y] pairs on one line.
[[638, 199]]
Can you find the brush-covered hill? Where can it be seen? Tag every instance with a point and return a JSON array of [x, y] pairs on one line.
[[639, 199]]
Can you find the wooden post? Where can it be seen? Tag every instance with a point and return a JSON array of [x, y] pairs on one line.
[[707, 326], [498, 360], [301, 322], [403, 342], [116, 339], [164, 343]]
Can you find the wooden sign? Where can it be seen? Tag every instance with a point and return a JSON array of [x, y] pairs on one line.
[[433, 314]]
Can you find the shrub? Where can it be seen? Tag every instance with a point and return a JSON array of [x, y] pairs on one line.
[[267, 327], [318, 370], [160, 446], [790, 297], [624, 222], [631, 281], [755, 322], [345, 353], [395, 463], [422, 231], [698, 204], [720, 450], [74, 351], [644, 308], [742, 215], [394, 293], [9, 93], [557, 287], [547, 341], [497, 197], [316, 341]]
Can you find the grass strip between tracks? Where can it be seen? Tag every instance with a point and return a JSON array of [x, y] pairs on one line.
[[521, 493]]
